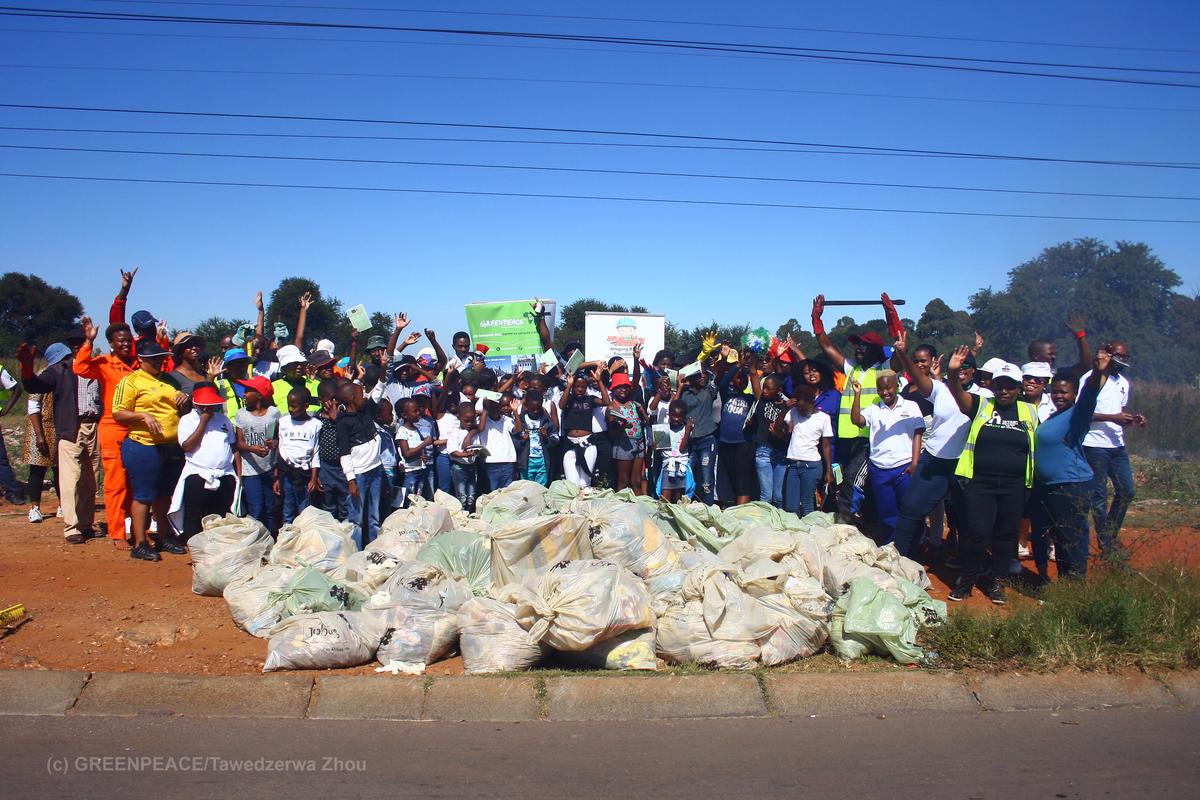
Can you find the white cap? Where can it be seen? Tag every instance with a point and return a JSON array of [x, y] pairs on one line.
[[1037, 369], [1006, 370], [325, 345], [290, 354], [427, 351], [993, 364]]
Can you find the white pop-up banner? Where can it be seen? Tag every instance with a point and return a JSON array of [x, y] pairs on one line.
[[611, 333]]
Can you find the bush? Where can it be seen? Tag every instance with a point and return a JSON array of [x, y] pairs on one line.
[[1117, 618]]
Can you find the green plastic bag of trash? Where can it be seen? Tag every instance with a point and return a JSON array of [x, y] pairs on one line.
[[310, 592], [869, 619], [560, 494], [465, 553]]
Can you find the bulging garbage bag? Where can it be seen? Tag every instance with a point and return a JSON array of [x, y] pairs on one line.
[[315, 538], [464, 553], [249, 598], [419, 583], [626, 535], [491, 639], [227, 548], [630, 650], [367, 570], [581, 603], [410, 632], [518, 500], [327, 640], [431, 518], [871, 619], [682, 637], [309, 591], [524, 549]]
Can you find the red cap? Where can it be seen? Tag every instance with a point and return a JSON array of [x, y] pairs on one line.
[[620, 379], [870, 337], [260, 384], [207, 396]]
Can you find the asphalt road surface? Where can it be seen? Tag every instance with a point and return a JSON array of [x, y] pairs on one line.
[[1077, 754]]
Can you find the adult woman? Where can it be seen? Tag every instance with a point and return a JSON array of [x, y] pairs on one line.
[[1061, 491], [207, 438], [149, 407], [40, 451], [997, 465], [190, 366]]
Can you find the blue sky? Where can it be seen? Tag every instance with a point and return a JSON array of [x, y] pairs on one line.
[[205, 250]]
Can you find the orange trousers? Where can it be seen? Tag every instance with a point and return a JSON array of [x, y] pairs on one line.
[[116, 488]]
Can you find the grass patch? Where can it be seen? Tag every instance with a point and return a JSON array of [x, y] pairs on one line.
[[1116, 619], [1161, 479]]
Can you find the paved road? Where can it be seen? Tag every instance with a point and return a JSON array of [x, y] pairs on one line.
[[1101, 754]]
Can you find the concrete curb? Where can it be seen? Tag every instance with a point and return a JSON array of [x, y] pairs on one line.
[[582, 697]]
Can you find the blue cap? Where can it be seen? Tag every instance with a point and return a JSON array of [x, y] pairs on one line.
[[144, 320], [234, 354], [56, 353]]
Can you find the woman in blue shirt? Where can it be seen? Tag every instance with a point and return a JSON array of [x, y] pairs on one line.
[[1062, 476]]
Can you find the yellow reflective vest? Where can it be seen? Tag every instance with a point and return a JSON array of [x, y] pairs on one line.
[[1026, 415], [870, 397]]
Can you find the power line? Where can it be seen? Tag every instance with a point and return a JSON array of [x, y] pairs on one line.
[[667, 22], [608, 198], [592, 171], [600, 132], [569, 82], [820, 54]]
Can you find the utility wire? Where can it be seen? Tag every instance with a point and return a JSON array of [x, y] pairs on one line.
[[608, 198], [598, 132], [590, 171], [819, 54], [562, 81], [666, 22]]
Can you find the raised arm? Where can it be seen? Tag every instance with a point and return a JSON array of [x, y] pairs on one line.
[[605, 400], [539, 311], [923, 382], [116, 313], [438, 351], [954, 382], [856, 415], [835, 355], [261, 318], [305, 301], [1075, 324]]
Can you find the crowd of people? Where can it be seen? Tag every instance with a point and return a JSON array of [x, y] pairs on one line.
[[946, 458]]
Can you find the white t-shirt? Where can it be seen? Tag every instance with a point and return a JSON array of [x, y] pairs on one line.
[[497, 438], [1113, 398], [948, 431], [215, 452], [412, 438], [891, 432], [807, 432], [1045, 406], [446, 425], [454, 440], [298, 441]]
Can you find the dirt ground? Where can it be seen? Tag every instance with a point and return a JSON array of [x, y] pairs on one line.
[[86, 601]]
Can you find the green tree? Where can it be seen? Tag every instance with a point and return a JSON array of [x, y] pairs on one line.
[[943, 327], [35, 311], [326, 318], [214, 329], [1124, 293]]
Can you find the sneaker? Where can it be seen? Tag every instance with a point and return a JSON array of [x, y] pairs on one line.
[[961, 592], [1053, 557], [995, 593], [35, 515], [75, 538], [145, 553], [1024, 553], [17, 499], [59, 513], [91, 533], [171, 544]]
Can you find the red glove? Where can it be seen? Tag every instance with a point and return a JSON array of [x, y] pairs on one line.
[[892, 317]]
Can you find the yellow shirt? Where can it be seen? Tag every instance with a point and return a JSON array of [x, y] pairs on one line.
[[142, 393]]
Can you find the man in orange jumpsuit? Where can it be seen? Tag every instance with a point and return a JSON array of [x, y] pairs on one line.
[[109, 370]]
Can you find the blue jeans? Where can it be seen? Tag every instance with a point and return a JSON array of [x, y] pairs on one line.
[[771, 466], [259, 498], [1063, 517], [414, 480], [887, 487], [464, 484], [499, 475], [442, 472], [800, 486], [934, 479], [364, 509], [335, 497], [293, 485], [702, 454], [1109, 463]]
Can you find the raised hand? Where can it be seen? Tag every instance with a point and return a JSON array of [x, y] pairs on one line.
[[306, 300], [429, 334], [26, 352], [258, 303], [901, 342], [215, 365], [412, 338], [161, 331], [818, 305], [1075, 322], [978, 342], [127, 279], [935, 368], [958, 357], [401, 321], [637, 352], [856, 387], [89, 329]]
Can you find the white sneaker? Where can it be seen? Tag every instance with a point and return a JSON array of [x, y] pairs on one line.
[[59, 514], [1052, 556], [1024, 553], [35, 514]]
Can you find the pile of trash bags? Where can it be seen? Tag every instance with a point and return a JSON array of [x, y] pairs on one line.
[[590, 578]]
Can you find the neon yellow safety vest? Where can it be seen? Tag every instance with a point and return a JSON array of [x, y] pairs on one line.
[[281, 386], [1026, 415], [870, 397]]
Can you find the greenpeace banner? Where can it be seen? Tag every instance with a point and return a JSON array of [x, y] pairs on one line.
[[608, 334], [509, 329]]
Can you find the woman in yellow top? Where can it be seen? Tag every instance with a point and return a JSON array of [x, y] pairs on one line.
[[149, 406]]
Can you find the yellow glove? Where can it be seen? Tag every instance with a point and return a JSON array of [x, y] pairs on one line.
[[707, 345]]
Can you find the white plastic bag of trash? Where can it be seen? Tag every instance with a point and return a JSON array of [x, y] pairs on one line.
[[626, 534], [412, 632], [367, 570], [578, 604], [714, 622], [315, 538], [225, 549], [249, 600], [524, 549], [491, 639], [327, 640]]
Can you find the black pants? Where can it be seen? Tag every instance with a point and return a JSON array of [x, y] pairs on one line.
[[37, 483], [737, 461], [852, 455], [199, 502], [992, 509]]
